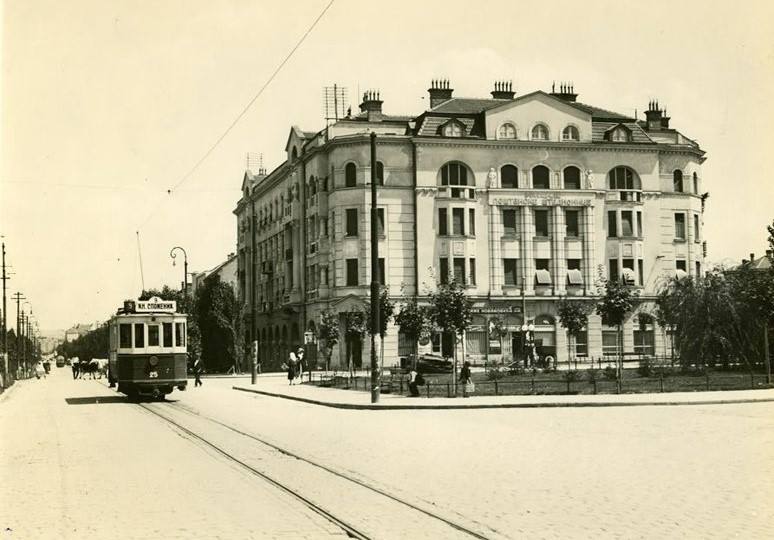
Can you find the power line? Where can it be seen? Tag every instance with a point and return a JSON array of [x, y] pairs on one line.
[[247, 107]]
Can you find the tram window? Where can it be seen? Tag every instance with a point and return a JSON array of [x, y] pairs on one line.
[[125, 341], [139, 335], [179, 334], [153, 335], [167, 326]]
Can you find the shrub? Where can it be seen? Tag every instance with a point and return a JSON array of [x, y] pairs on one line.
[[571, 375], [516, 368], [592, 375], [646, 368], [494, 372], [610, 373], [662, 368]]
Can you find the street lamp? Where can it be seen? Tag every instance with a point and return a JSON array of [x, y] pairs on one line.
[[185, 269], [528, 328]]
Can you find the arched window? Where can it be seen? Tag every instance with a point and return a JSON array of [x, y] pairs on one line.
[[452, 129], [619, 134], [540, 177], [379, 173], [509, 177], [294, 154], [623, 178], [506, 131], [572, 178], [540, 133], [454, 174], [350, 175], [677, 181], [570, 133]]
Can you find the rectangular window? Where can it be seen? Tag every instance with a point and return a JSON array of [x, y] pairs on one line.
[[325, 276], [458, 221], [444, 270], [640, 269], [179, 334], [125, 336], [639, 224], [510, 271], [573, 264], [582, 343], [644, 342], [459, 270], [627, 225], [680, 226], [472, 271], [542, 271], [571, 221], [696, 228], [695, 184], [509, 221], [443, 223], [351, 273], [574, 275], [698, 269], [680, 264], [612, 229], [612, 270], [324, 227], [139, 335], [628, 271], [382, 279], [351, 214], [153, 335], [609, 342], [541, 223], [380, 221], [472, 222]]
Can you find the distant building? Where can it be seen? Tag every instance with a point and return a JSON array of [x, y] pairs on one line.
[[523, 199], [79, 330], [227, 270]]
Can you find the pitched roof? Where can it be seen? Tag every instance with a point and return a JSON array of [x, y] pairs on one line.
[[598, 130], [431, 124], [467, 105], [597, 113]]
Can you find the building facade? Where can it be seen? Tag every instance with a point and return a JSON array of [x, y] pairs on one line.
[[524, 200]]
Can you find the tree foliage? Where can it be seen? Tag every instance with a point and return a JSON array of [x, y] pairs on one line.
[[450, 308], [327, 334], [573, 316], [414, 321], [219, 321], [617, 301], [93, 344], [386, 312]]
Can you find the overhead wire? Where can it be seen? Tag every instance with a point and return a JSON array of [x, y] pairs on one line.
[[244, 110]]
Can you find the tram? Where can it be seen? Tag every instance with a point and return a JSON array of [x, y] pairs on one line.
[[147, 354]]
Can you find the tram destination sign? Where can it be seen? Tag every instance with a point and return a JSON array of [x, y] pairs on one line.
[[155, 304]]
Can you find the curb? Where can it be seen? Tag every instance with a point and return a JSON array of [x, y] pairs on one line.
[[556, 404]]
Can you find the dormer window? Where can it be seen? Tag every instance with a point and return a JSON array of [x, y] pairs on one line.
[[620, 134], [507, 131], [452, 129], [540, 133], [570, 133]]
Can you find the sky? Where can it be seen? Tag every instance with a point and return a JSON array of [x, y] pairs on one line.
[[108, 105]]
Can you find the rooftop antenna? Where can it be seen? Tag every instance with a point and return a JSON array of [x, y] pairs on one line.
[[335, 101]]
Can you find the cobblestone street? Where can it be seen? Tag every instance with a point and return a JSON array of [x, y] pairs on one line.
[[79, 461]]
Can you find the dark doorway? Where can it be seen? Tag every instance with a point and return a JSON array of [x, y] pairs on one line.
[[354, 351], [517, 346], [447, 345]]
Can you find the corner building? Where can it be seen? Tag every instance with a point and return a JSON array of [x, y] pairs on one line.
[[524, 199]]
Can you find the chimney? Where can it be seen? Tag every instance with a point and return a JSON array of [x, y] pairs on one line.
[[566, 91], [440, 90], [372, 105], [653, 116], [752, 257], [503, 90], [665, 120]]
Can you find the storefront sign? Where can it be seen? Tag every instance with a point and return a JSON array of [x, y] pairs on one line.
[[540, 201], [496, 309]]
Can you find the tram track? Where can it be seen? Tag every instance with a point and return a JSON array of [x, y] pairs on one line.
[[331, 484]]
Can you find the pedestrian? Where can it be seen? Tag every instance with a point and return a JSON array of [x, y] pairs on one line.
[[198, 369], [466, 381], [413, 383], [292, 364], [74, 365], [300, 370]]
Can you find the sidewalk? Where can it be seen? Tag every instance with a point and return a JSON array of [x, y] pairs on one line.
[[277, 386]]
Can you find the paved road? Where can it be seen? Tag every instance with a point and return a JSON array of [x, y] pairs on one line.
[[651, 472]]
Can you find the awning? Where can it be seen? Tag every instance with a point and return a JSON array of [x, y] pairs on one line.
[[574, 277], [680, 274], [542, 277], [629, 276]]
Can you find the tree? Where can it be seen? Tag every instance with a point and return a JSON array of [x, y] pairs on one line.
[[327, 335], [386, 314], [414, 321], [616, 303], [451, 311], [355, 327], [219, 320], [573, 316]]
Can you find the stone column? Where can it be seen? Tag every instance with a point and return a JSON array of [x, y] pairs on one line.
[[558, 257]]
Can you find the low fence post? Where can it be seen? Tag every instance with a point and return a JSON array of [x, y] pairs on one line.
[[428, 388], [497, 392], [595, 386], [661, 382], [708, 380], [401, 385], [533, 383], [752, 380], [448, 390]]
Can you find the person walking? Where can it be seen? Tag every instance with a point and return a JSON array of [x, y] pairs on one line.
[[292, 365], [198, 369], [300, 369], [465, 380], [74, 365], [413, 383]]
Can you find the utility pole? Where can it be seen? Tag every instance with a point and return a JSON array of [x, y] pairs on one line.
[[18, 297], [5, 324], [375, 326]]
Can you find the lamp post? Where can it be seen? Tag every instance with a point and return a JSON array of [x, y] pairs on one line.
[[375, 325], [185, 271]]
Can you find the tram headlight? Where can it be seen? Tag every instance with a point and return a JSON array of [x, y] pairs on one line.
[[153, 361]]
